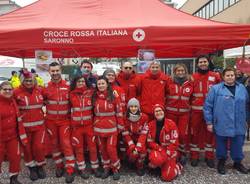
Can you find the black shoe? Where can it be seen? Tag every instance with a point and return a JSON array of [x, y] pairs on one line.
[[194, 162], [240, 167], [14, 180], [140, 172], [116, 175], [59, 172], [69, 177], [183, 160], [33, 173], [221, 166], [41, 172], [105, 173], [97, 173], [84, 174], [210, 163]]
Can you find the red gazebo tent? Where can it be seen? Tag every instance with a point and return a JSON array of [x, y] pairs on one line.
[[112, 28]]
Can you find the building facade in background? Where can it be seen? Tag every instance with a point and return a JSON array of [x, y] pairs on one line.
[[7, 6], [231, 11]]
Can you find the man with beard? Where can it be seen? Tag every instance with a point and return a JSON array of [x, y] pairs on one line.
[[86, 68], [129, 81], [203, 80], [56, 95]]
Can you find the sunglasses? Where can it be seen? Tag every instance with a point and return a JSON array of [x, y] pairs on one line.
[[128, 68], [7, 89]]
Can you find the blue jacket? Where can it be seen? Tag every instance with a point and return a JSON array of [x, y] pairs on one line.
[[226, 112]]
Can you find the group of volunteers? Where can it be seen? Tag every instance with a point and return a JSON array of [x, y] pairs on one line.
[[150, 120]]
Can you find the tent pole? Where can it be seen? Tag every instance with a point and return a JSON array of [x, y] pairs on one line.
[[23, 63], [194, 65]]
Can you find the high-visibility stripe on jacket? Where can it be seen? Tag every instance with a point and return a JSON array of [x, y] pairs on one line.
[[57, 101], [178, 97], [30, 104]]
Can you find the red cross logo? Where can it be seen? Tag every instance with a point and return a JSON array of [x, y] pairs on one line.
[[138, 35]]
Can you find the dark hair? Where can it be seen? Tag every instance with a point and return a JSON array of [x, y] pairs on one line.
[[227, 70], [33, 70], [210, 63], [88, 62], [13, 72], [54, 64], [74, 81], [4, 84], [110, 97]]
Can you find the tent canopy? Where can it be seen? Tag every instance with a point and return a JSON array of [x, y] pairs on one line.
[[112, 28]]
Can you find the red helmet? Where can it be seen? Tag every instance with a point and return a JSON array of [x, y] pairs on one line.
[[156, 158]]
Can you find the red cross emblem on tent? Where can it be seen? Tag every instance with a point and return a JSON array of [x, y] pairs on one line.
[[138, 35]]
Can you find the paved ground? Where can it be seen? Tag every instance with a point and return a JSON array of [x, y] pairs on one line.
[[198, 175]]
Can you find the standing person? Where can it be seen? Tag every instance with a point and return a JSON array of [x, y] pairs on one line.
[[136, 130], [10, 122], [154, 84], [56, 95], [39, 79], [163, 144], [30, 102], [86, 68], [226, 111], [129, 81], [178, 106], [108, 121], [202, 80], [82, 126], [14, 80]]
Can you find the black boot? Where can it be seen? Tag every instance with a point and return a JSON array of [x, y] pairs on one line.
[[33, 173], [105, 173], [210, 163], [116, 175], [59, 172], [221, 166], [97, 173], [69, 176], [84, 174], [14, 180], [194, 162], [41, 172], [183, 160], [240, 167], [140, 171]]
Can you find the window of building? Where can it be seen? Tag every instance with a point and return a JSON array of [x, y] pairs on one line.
[[211, 8], [220, 5], [216, 6], [207, 12], [226, 3], [232, 2]]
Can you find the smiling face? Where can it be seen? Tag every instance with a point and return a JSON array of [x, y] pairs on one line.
[[229, 78], [6, 91], [180, 72], [29, 82], [80, 83], [159, 113], [127, 68], [102, 85], [203, 63], [55, 72], [111, 77], [133, 109], [155, 68]]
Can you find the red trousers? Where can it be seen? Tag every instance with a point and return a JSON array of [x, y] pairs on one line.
[[60, 138], [108, 151], [182, 122], [11, 148], [200, 137], [34, 151], [83, 139]]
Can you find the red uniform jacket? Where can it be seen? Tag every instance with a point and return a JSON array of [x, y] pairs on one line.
[[11, 126], [153, 90], [108, 116], [202, 84], [136, 132], [30, 106], [169, 141], [130, 84], [119, 92], [57, 102], [81, 107], [178, 97]]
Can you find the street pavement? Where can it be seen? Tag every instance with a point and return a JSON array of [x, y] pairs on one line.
[[190, 175]]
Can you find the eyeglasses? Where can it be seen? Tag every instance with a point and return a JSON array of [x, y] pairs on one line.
[[7, 89], [81, 81], [127, 68]]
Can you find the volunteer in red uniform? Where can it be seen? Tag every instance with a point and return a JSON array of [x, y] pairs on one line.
[[163, 144], [83, 138], [30, 102], [202, 80], [10, 123], [118, 91], [108, 122], [153, 88], [178, 106], [56, 95], [129, 81], [136, 130]]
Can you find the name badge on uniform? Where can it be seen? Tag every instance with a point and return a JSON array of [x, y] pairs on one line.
[[211, 78], [63, 88]]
